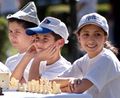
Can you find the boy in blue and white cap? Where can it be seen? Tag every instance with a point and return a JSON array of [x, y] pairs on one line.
[[50, 36], [98, 71]]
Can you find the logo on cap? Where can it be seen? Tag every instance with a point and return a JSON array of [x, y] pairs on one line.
[[93, 17], [46, 21]]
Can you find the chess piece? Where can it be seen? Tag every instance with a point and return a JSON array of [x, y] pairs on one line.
[[1, 91]]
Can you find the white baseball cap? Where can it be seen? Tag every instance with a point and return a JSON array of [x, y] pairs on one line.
[[96, 19], [27, 13], [50, 24]]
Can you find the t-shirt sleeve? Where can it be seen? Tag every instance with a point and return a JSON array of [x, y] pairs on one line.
[[75, 71], [52, 71], [3, 68], [104, 71]]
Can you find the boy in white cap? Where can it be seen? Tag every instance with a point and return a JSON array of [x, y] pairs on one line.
[[17, 24], [47, 62], [98, 71]]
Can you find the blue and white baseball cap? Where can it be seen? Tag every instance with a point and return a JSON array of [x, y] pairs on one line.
[[50, 24], [27, 13], [96, 19]]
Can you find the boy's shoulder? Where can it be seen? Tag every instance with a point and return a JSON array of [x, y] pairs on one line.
[[14, 57], [3, 68], [62, 62]]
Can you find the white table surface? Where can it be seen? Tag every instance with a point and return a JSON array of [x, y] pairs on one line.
[[14, 94]]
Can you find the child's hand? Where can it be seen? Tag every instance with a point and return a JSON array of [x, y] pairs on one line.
[[31, 51], [46, 54], [75, 85]]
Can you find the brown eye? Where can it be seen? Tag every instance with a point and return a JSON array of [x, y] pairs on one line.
[[85, 34], [36, 40], [97, 34], [10, 31]]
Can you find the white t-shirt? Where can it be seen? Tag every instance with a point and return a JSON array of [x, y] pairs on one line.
[[56, 69], [4, 68], [49, 71], [13, 61], [103, 71]]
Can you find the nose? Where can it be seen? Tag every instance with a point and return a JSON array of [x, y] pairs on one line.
[[39, 45], [91, 39]]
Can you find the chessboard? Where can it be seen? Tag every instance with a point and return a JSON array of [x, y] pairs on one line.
[[4, 80], [42, 86]]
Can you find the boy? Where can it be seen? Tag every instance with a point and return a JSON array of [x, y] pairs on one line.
[[17, 24], [47, 62]]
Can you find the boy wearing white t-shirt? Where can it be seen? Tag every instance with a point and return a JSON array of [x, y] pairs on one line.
[[17, 25], [44, 56]]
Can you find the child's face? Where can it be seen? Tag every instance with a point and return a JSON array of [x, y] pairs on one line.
[[92, 39], [43, 41], [18, 38]]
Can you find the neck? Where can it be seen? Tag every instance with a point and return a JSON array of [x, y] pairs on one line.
[[53, 59], [21, 50], [92, 55]]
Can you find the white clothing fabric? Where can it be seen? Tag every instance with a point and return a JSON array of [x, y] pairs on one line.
[[103, 71], [13, 61], [56, 69], [49, 71], [89, 7], [3, 68]]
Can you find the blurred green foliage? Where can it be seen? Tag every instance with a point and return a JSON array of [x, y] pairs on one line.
[[5, 47], [3, 38], [7, 50]]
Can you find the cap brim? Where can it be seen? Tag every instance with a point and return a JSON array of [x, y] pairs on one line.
[[94, 23], [37, 30]]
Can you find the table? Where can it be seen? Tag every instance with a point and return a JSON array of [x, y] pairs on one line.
[[14, 94]]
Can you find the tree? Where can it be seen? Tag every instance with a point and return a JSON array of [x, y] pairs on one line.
[[116, 17], [3, 38]]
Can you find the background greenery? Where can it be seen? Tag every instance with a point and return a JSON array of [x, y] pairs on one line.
[[5, 46], [60, 10]]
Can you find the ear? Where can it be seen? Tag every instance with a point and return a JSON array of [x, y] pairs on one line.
[[60, 42], [106, 37]]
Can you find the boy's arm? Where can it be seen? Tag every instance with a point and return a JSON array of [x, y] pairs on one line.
[[34, 70], [19, 70], [42, 55], [72, 85], [77, 86], [62, 81]]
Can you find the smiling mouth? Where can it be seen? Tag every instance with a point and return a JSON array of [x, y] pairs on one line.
[[91, 46]]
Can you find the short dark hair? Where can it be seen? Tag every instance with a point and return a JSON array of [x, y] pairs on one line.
[[56, 36], [24, 23]]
